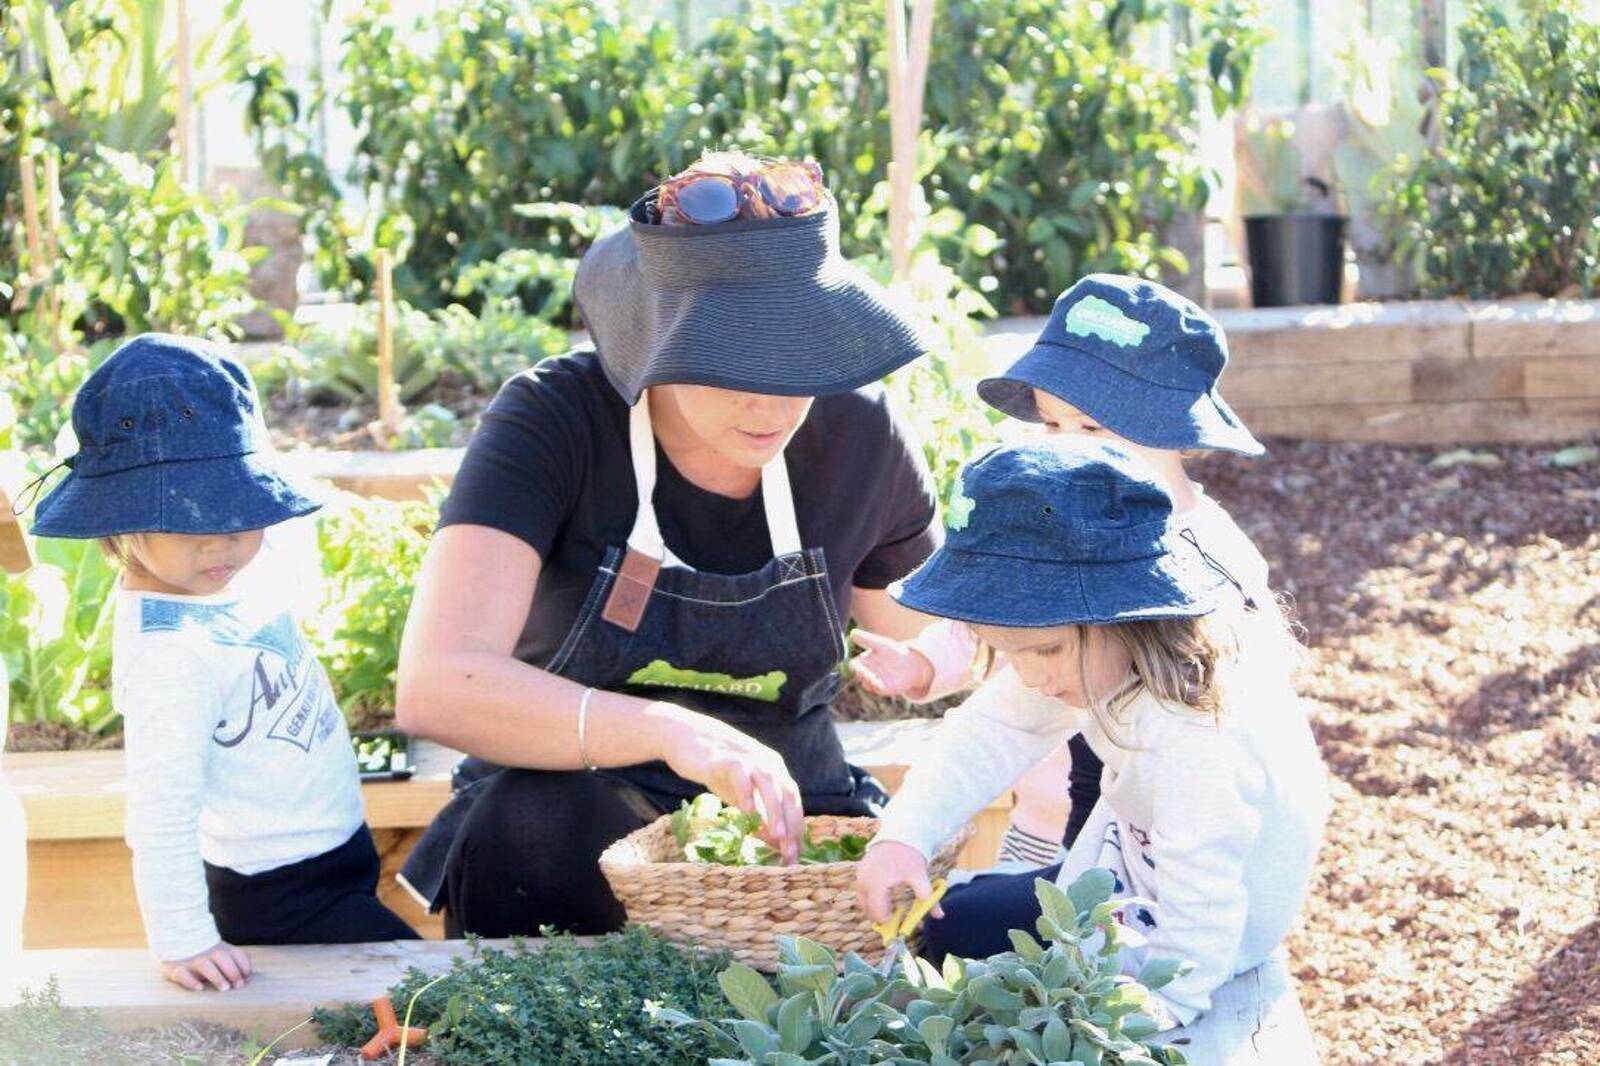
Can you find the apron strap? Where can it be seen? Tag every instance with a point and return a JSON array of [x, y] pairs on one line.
[[777, 496]]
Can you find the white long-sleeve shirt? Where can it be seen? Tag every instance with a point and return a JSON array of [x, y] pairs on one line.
[[237, 753], [1218, 822]]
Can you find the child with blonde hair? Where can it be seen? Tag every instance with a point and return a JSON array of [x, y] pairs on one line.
[[1066, 561]]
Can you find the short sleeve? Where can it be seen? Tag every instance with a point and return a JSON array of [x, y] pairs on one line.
[[526, 463], [909, 531]]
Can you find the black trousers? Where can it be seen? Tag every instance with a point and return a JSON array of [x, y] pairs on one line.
[[1083, 786], [979, 915], [527, 854], [327, 899]]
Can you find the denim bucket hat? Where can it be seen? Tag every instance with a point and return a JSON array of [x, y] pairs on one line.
[[1061, 532], [768, 306], [1137, 358], [170, 440]]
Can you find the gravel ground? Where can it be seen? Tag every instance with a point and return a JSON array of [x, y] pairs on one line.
[[1453, 607]]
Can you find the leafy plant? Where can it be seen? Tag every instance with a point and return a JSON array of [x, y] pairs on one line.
[[1505, 204], [710, 832], [1047, 126], [55, 635], [139, 249], [39, 1029], [371, 550], [1064, 1000], [1272, 183], [564, 1002]]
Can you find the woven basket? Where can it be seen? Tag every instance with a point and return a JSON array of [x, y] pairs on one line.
[[743, 909]]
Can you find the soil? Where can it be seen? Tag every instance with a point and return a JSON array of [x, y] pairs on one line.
[[1453, 612]]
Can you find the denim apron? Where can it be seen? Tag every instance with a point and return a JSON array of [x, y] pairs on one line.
[[760, 651]]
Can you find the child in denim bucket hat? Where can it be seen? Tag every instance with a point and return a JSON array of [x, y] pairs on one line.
[[1068, 563], [244, 809], [1131, 362]]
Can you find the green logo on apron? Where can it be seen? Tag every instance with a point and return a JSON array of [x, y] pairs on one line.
[[1094, 317], [764, 687]]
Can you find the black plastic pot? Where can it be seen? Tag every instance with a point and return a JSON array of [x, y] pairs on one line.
[[1295, 259]]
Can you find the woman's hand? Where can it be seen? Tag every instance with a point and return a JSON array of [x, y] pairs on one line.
[[741, 771], [886, 866], [889, 667], [222, 967]]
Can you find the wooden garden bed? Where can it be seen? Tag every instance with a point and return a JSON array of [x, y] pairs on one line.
[[80, 879]]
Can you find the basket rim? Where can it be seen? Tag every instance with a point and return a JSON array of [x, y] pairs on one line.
[[619, 861]]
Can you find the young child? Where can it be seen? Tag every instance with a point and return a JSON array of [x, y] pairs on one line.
[[1214, 797], [1135, 364], [244, 808]]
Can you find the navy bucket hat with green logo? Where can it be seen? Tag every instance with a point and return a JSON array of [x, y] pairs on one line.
[[1137, 358], [1060, 532], [170, 440]]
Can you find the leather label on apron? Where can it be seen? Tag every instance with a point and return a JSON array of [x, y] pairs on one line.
[[630, 595]]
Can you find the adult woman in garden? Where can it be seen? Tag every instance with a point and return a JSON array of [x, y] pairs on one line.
[[643, 564]]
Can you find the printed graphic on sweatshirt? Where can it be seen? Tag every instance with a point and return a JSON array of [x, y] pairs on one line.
[[287, 685]]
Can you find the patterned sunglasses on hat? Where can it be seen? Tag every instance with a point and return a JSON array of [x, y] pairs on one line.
[[775, 189]]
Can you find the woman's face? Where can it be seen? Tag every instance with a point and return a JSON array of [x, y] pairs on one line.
[[746, 429], [1048, 661]]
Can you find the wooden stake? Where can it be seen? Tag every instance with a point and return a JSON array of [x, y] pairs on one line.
[[908, 75], [183, 133], [388, 404], [52, 246], [15, 556], [30, 221]]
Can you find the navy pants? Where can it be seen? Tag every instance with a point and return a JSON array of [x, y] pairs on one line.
[[330, 898], [979, 915]]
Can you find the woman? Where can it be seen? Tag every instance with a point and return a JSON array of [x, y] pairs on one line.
[[644, 564]]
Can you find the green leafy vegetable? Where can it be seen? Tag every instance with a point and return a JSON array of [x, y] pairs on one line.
[[711, 832]]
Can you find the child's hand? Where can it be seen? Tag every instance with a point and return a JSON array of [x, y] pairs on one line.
[[223, 967], [890, 667], [886, 866]]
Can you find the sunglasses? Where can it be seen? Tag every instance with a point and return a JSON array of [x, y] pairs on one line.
[[776, 190]]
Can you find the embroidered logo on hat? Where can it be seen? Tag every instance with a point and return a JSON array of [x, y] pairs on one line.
[[1094, 317], [959, 513]]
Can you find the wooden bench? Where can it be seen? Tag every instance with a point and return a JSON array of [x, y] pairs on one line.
[[80, 881], [126, 991]]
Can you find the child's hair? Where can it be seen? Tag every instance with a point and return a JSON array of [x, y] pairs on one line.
[[1205, 663], [118, 550]]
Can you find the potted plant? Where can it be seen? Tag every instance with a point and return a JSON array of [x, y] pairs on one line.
[[1294, 232]]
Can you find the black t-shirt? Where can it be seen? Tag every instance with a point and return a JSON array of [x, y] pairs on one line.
[[550, 464]]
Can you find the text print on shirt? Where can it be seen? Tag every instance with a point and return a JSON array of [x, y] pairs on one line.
[[305, 713]]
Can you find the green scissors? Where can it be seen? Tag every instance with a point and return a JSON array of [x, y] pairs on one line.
[[898, 929]]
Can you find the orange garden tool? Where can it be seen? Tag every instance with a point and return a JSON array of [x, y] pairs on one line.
[[898, 929], [391, 1034]]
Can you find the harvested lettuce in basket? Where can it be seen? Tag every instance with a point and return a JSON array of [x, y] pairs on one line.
[[711, 832]]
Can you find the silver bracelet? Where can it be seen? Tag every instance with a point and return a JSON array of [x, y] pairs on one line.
[[583, 728]]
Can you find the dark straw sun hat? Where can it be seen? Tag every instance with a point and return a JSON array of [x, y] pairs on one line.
[[170, 440], [1061, 532], [767, 306]]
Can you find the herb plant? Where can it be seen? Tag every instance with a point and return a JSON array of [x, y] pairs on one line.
[[711, 832], [560, 1002], [1061, 1001]]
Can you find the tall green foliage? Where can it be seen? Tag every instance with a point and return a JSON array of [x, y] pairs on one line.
[[1050, 125], [1506, 203], [93, 83]]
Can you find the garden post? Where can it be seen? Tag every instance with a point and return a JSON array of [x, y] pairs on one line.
[[908, 74], [183, 134], [388, 408], [30, 222], [52, 247]]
